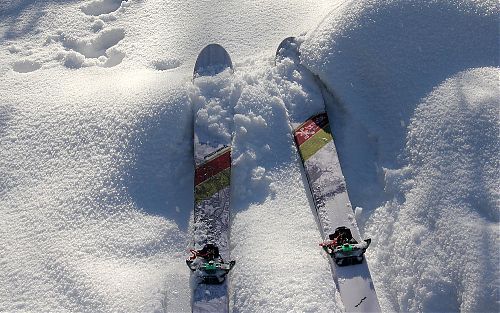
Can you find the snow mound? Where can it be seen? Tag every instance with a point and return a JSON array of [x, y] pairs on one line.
[[379, 58], [76, 234], [447, 226], [415, 118]]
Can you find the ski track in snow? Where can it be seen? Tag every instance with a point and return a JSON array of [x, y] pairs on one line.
[[96, 168]]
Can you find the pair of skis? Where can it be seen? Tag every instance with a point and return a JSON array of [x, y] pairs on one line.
[[212, 150]]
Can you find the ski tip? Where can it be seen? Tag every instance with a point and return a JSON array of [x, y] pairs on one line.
[[212, 60], [288, 48]]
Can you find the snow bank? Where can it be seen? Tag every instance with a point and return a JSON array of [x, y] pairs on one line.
[[448, 223], [416, 128], [379, 58], [78, 231]]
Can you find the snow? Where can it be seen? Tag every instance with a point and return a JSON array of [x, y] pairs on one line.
[[96, 166], [72, 241], [452, 195]]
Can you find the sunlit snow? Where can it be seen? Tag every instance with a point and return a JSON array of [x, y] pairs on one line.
[[96, 156]]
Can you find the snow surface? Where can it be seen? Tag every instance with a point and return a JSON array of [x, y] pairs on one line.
[[96, 166]]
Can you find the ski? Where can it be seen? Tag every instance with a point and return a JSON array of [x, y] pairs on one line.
[[210, 259], [315, 144]]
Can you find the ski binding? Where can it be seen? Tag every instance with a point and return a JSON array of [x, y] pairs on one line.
[[209, 265], [343, 248]]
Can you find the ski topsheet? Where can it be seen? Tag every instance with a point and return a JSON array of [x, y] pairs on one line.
[[317, 150], [212, 153]]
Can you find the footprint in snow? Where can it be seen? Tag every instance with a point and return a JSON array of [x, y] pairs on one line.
[[99, 7], [100, 47], [166, 64], [25, 66], [97, 46], [97, 26]]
